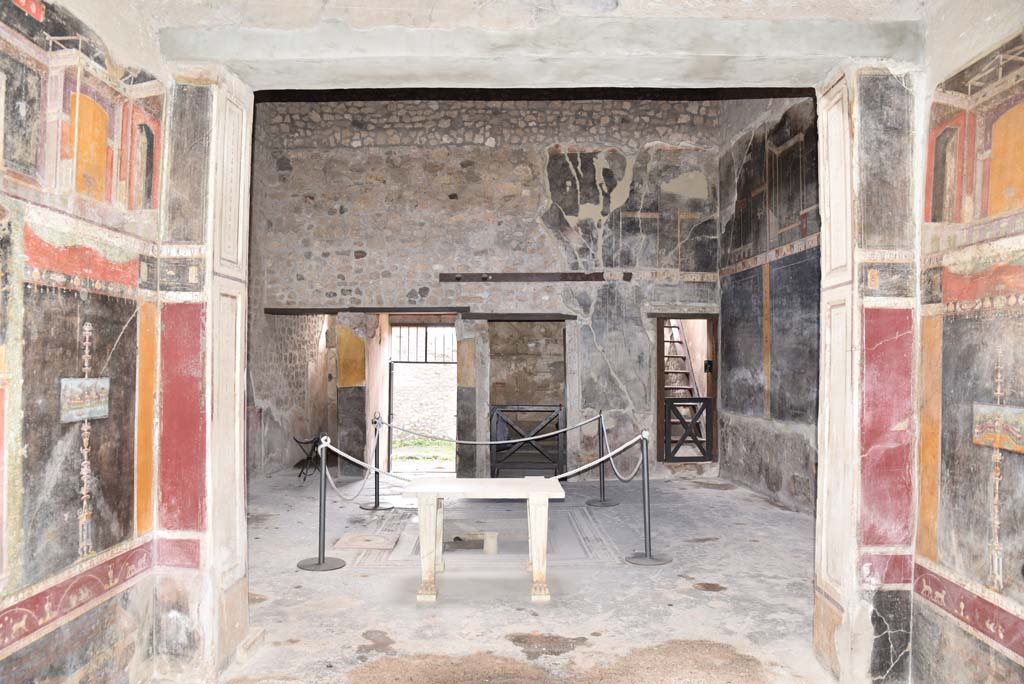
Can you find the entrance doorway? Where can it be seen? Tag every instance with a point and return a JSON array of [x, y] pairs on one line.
[[687, 353], [423, 391]]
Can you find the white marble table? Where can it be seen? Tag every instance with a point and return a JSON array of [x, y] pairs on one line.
[[430, 494]]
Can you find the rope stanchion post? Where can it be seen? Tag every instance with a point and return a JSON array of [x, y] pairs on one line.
[[322, 562], [376, 505], [602, 447], [647, 557]]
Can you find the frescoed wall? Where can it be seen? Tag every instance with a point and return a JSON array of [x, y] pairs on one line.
[[79, 195], [969, 588], [770, 273], [623, 188]]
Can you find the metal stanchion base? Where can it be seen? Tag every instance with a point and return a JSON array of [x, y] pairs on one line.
[[315, 565], [639, 558], [602, 504], [376, 507]]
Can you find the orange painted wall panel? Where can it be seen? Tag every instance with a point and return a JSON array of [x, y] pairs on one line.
[[1006, 177], [90, 121], [144, 417], [928, 453]]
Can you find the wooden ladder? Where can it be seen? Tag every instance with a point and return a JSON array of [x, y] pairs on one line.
[[679, 380]]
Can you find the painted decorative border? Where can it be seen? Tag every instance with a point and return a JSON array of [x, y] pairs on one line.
[[801, 245], [994, 622], [37, 276], [944, 237], [1000, 305], [52, 605]]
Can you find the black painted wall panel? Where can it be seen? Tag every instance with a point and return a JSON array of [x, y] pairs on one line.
[[794, 294], [50, 469], [885, 145], [742, 368]]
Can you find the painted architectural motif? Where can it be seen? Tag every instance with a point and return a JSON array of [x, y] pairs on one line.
[[971, 477], [80, 149]]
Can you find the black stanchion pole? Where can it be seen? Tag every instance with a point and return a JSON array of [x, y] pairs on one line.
[[647, 557], [602, 449], [322, 562], [376, 505]]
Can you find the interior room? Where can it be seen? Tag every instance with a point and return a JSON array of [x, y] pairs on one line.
[[369, 343]]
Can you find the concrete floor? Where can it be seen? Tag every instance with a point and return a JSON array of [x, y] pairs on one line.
[[734, 606]]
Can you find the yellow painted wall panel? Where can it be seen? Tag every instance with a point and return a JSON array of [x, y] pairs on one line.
[[90, 121], [467, 363], [1006, 179], [351, 358], [144, 418], [929, 453]]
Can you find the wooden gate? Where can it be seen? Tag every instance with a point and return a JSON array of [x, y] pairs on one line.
[[545, 456]]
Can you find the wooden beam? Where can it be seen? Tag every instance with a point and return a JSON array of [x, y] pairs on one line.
[[307, 311], [518, 317], [562, 277]]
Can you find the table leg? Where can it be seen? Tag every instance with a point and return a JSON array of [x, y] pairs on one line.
[[538, 517], [439, 546], [427, 505], [529, 537]]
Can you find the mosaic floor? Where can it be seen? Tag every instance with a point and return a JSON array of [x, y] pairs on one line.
[[734, 606]]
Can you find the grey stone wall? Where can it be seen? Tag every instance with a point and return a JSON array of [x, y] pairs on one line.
[[364, 204], [281, 351], [527, 363]]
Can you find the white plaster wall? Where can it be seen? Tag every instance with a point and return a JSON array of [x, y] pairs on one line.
[[959, 31]]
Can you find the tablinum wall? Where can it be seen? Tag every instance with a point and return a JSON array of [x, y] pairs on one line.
[[770, 282], [627, 188]]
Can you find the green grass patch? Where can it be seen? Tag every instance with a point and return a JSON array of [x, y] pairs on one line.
[[421, 442]]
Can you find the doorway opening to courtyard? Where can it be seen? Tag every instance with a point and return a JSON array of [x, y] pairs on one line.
[[422, 394]]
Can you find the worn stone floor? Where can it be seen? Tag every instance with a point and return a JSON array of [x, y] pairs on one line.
[[734, 606]]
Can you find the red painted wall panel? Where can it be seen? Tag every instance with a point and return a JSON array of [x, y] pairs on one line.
[[181, 493], [177, 553], [886, 437]]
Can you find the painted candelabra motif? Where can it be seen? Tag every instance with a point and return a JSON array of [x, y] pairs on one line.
[[84, 399], [1000, 427]]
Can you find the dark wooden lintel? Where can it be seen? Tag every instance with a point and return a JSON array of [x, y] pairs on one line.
[[300, 311], [690, 315], [518, 317], [563, 277], [307, 311]]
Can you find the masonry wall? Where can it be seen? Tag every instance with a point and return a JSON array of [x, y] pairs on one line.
[[969, 591], [80, 192], [365, 204], [770, 282], [291, 372]]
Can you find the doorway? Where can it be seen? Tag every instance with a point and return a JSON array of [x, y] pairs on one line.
[[422, 394], [687, 386]]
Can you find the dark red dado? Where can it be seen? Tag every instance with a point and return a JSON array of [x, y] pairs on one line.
[[996, 623], [47, 607]]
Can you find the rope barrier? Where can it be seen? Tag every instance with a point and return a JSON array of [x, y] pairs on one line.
[[615, 468], [643, 436], [348, 499], [327, 443], [534, 438]]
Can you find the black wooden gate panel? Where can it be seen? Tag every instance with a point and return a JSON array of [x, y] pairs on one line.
[[683, 426], [545, 456]]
